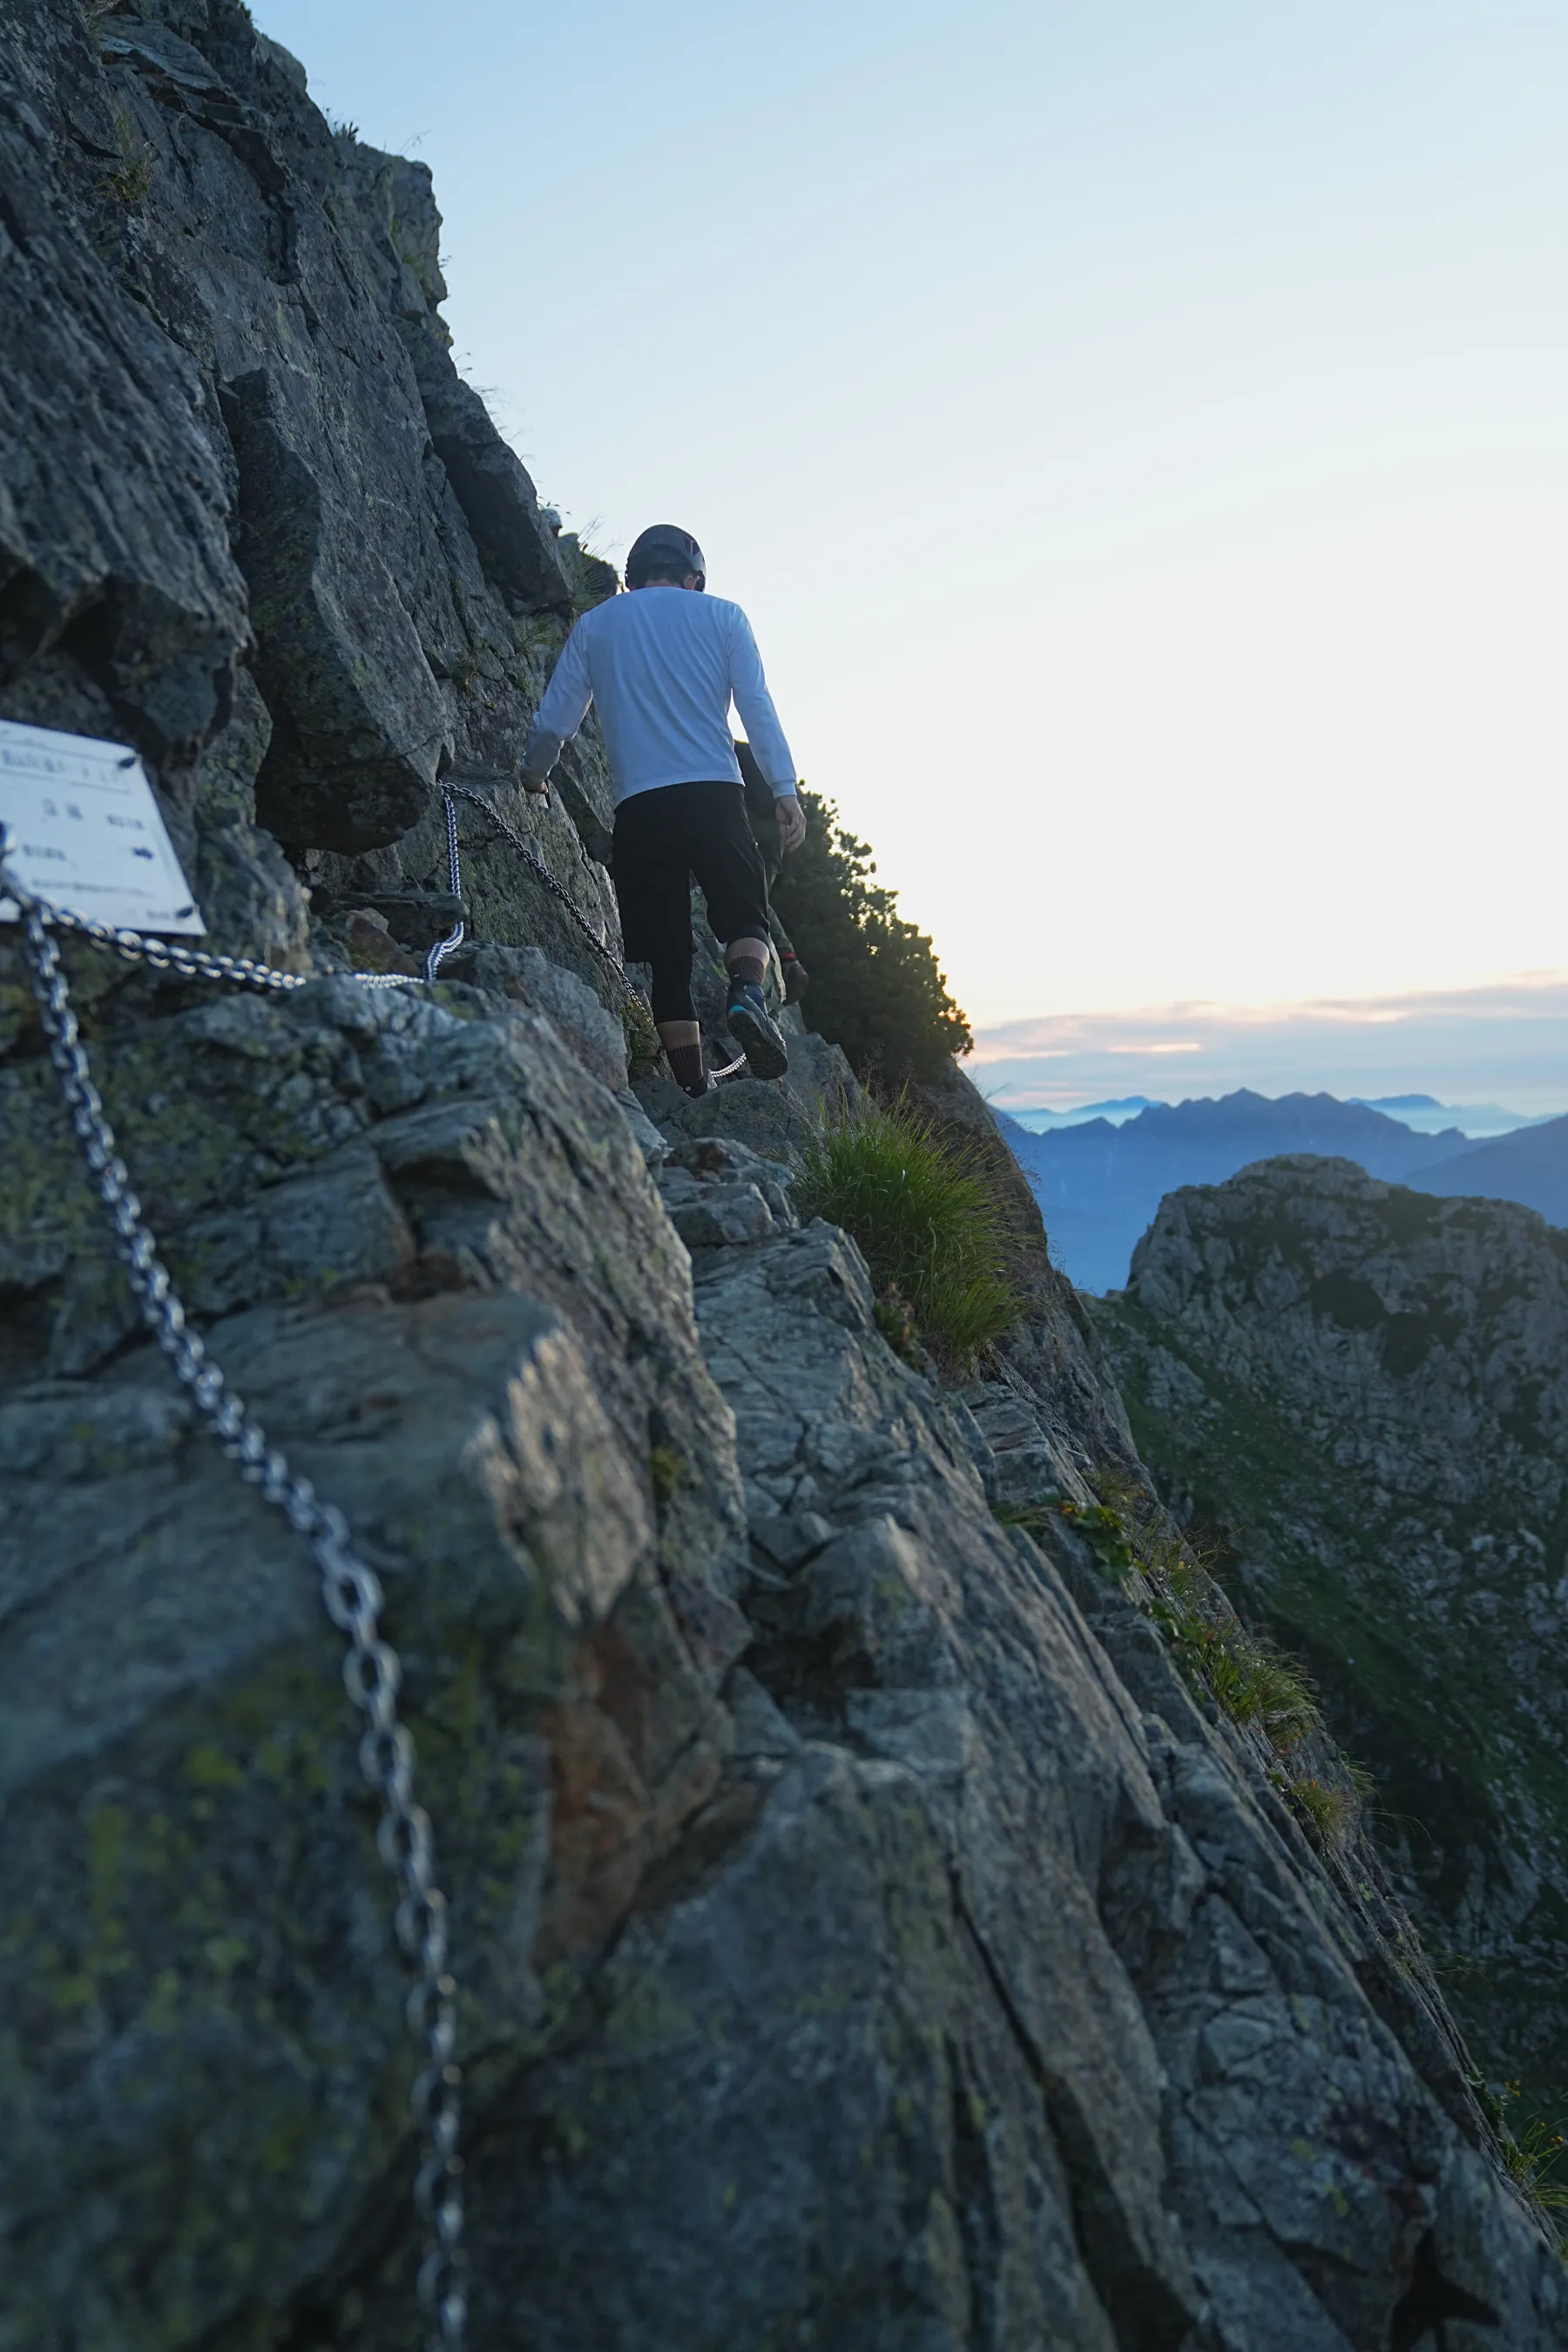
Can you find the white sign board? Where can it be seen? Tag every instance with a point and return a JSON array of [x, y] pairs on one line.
[[82, 830]]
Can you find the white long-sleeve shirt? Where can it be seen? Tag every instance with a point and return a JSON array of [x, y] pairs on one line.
[[662, 666]]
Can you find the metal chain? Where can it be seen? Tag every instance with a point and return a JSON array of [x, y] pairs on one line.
[[196, 963], [454, 939], [531, 858], [351, 1594]]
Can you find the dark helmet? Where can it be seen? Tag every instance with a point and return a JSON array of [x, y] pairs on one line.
[[661, 543]]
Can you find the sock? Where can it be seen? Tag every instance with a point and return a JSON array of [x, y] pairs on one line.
[[686, 1065], [747, 970]]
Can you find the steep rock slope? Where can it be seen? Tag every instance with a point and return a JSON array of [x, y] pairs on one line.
[[1362, 1393], [863, 1937]]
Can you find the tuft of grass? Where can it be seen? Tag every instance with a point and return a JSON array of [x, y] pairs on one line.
[[924, 1216], [591, 577], [1534, 2160], [1333, 1813], [1252, 1680], [1534, 2153], [132, 183]]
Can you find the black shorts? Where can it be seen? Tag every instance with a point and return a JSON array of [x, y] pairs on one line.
[[662, 839]]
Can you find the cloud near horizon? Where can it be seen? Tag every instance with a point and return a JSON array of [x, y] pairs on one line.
[[1507, 1042]]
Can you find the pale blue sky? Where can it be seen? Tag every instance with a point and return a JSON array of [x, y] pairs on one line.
[[1140, 436]]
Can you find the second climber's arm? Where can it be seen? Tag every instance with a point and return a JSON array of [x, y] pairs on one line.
[[749, 688], [560, 714]]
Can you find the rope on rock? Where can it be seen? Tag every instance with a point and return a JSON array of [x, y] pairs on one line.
[[351, 1595]]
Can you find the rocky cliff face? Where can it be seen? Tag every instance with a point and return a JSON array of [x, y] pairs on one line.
[[1364, 1392], [866, 1938]]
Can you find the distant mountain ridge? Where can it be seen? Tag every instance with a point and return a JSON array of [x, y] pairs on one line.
[[1049, 1122], [1427, 1115], [1100, 1185], [1529, 1166]]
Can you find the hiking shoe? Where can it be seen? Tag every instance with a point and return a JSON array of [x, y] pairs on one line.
[[747, 1019], [797, 979]]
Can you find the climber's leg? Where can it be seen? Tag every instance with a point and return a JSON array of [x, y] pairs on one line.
[[729, 865], [653, 890], [766, 832]]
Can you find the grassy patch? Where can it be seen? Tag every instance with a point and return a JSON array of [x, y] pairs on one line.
[[1333, 1813], [1535, 2160], [1101, 1528], [924, 1217], [1253, 1680], [1534, 2152], [132, 183]]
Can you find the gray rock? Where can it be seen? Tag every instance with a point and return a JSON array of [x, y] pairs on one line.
[[1364, 1389], [653, 1145], [492, 485], [588, 1030]]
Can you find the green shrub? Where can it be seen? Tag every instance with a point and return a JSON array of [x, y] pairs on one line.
[[1106, 1534], [876, 987], [923, 1218]]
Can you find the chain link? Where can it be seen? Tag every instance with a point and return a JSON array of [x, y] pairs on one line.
[[194, 963], [454, 939], [536, 864], [351, 1594]]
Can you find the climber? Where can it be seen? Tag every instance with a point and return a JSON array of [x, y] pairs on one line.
[[663, 666], [762, 816]]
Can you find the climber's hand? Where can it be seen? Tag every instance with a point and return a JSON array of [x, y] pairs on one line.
[[790, 817]]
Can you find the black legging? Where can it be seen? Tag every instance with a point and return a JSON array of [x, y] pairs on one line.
[[662, 839]]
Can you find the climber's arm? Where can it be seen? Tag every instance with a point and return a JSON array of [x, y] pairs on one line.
[[560, 714], [749, 688]]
